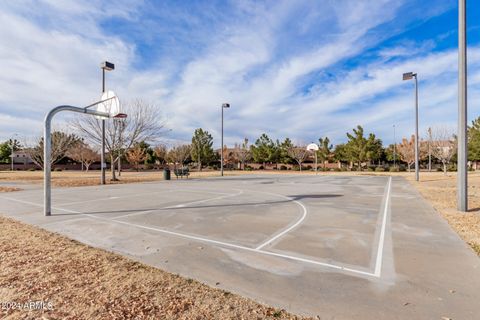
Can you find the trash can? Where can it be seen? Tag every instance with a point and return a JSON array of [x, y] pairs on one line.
[[166, 174]]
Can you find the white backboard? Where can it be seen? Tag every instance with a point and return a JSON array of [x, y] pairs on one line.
[[110, 104]]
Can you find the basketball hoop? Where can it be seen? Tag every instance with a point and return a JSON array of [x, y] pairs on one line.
[[110, 104]]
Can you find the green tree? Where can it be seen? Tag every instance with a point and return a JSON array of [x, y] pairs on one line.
[[284, 147], [324, 152], [150, 156], [356, 147], [474, 140], [202, 150], [360, 149], [340, 153], [6, 150], [374, 148], [263, 150]]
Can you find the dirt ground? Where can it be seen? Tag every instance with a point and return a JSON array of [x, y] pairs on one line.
[[440, 191], [75, 281]]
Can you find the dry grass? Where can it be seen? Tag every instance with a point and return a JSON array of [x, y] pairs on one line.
[[9, 189], [82, 282], [440, 190]]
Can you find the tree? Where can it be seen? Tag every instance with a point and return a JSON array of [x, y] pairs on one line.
[[443, 146], [243, 153], [263, 149], [136, 155], [6, 149], [160, 154], [82, 153], [406, 151], [356, 147], [474, 140], [61, 143], [284, 147], [324, 152], [298, 153], [202, 150], [374, 148], [144, 123], [179, 154], [340, 153], [360, 149]]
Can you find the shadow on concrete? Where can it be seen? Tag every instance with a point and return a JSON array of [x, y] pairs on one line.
[[245, 204]]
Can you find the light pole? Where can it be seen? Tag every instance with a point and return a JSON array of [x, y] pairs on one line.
[[429, 149], [462, 182], [394, 148], [109, 67], [409, 76], [225, 105], [12, 145]]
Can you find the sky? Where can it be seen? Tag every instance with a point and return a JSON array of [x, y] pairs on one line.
[[297, 69]]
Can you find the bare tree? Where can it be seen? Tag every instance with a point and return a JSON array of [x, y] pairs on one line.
[[61, 143], [144, 123], [82, 153], [299, 153], [406, 150], [242, 152], [443, 145], [136, 155], [179, 154]]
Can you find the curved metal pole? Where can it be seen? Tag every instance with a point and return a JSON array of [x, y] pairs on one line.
[[47, 146]]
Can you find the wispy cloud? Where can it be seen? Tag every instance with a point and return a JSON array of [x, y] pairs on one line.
[[300, 69]]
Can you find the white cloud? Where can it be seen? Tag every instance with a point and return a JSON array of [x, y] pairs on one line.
[[265, 62]]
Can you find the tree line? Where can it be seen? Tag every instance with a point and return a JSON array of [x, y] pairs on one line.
[[133, 140]]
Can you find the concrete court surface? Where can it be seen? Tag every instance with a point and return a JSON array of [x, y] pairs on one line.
[[340, 247]]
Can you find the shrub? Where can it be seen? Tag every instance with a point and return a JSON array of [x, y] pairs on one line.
[[394, 169], [261, 168], [32, 169], [379, 169], [283, 167], [57, 169]]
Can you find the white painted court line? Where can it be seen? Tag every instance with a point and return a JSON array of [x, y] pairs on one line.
[[381, 242], [288, 229], [231, 245], [183, 205], [201, 239]]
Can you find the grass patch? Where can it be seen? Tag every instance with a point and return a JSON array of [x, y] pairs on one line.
[[82, 282]]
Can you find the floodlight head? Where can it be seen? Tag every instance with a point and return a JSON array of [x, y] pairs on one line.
[[105, 65], [226, 105], [409, 75], [120, 116]]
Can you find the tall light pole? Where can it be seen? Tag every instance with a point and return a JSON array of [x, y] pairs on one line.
[[225, 105], [462, 182], [409, 76], [12, 145], [394, 148], [429, 149], [108, 66]]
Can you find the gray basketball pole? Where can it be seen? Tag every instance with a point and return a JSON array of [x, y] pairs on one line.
[[462, 182], [417, 155], [47, 148]]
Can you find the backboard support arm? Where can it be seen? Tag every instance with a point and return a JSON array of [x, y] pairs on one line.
[[47, 148]]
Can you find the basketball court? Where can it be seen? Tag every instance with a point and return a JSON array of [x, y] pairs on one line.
[[335, 246]]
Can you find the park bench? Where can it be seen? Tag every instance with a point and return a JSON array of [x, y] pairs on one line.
[[181, 172]]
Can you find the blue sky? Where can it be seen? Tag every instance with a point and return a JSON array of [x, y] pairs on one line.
[[298, 69]]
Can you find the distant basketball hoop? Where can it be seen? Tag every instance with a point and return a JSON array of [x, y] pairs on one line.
[[313, 147]]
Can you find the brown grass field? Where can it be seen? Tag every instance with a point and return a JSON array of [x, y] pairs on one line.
[[83, 282]]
